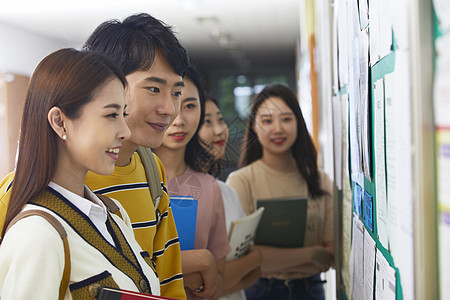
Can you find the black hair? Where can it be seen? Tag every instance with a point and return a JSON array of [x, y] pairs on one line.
[[132, 44], [197, 156], [214, 167]]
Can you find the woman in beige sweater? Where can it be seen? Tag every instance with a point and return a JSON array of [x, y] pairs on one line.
[[279, 160]]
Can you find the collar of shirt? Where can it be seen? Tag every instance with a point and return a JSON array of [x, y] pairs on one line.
[[93, 207]]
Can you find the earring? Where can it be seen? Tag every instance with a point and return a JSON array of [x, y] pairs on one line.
[[64, 137]]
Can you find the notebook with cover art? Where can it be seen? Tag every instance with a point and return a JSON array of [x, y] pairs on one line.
[[283, 223], [242, 234]]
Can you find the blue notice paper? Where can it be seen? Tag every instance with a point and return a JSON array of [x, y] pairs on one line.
[[358, 199], [368, 210], [184, 209]]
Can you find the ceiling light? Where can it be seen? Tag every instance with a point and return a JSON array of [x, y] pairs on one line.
[[208, 20]]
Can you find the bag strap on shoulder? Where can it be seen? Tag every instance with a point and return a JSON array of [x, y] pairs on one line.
[[151, 172], [110, 204], [62, 233]]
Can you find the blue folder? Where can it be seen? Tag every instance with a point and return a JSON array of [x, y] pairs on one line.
[[184, 209]]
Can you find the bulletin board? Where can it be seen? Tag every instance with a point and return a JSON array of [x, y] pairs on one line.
[[373, 152], [390, 149]]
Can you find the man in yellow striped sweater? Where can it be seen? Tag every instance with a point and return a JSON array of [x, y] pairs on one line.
[[154, 63]]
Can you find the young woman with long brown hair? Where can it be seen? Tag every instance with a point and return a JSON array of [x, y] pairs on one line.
[[72, 123]]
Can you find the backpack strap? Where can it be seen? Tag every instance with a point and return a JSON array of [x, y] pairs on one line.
[[62, 233], [109, 203], [152, 174]]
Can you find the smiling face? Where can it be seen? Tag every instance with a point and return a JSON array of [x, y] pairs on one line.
[[153, 102], [276, 126], [186, 124], [214, 131], [95, 137]]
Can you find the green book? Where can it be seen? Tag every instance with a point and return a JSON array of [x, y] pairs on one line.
[[283, 223]]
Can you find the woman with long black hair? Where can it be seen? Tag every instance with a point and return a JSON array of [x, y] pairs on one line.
[[279, 160]]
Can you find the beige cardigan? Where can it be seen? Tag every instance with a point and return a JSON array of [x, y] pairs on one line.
[[32, 260]]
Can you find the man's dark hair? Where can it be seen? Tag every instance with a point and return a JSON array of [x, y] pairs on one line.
[[132, 43]]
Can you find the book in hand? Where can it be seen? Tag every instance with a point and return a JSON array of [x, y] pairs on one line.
[[283, 223], [106, 293], [242, 233]]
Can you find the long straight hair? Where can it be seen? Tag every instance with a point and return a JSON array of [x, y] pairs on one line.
[[303, 149], [67, 79], [196, 155], [214, 167]]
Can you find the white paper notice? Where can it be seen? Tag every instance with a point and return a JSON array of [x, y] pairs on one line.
[[343, 43], [363, 14], [385, 279], [355, 135], [335, 56], [354, 100], [369, 265], [400, 201], [337, 138], [442, 9], [384, 10], [357, 258], [391, 143], [353, 19], [364, 102], [374, 32], [380, 170], [363, 64], [399, 12]]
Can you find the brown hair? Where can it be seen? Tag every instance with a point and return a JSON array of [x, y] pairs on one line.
[[303, 149], [67, 79]]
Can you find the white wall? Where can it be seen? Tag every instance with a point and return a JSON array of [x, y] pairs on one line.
[[21, 51]]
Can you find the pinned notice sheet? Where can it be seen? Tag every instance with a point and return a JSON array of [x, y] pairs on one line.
[[363, 14], [386, 286], [442, 9], [337, 140], [343, 43], [380, 162], [400, 170], [362, 261], [356, 259], [369, 265]]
